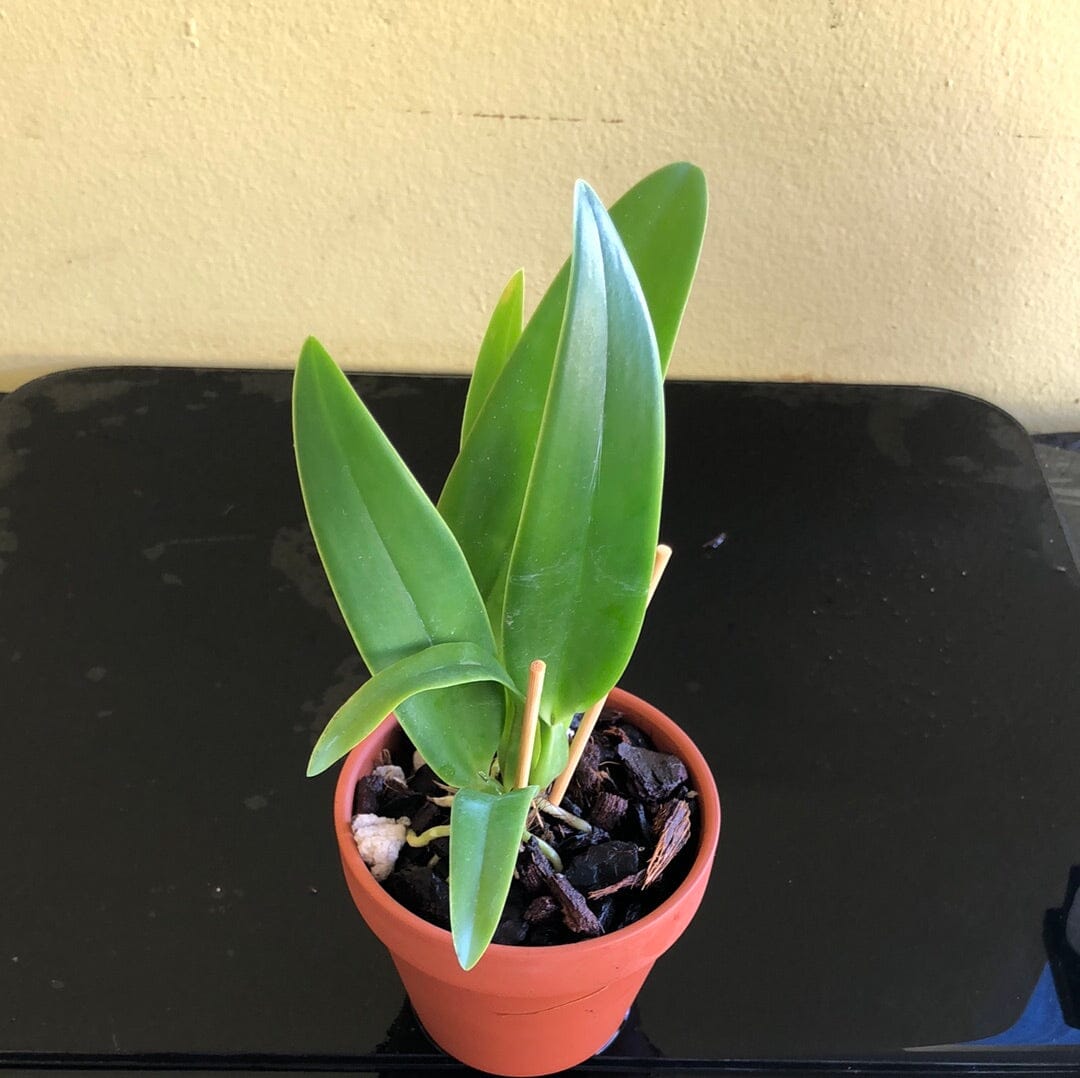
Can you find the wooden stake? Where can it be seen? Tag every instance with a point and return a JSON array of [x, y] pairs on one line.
[[577, 749], [662, 557], [588, 720], [529, 720]]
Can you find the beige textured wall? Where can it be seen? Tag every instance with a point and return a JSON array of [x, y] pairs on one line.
[[894, 185]]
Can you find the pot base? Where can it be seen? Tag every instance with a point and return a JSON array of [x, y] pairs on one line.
[[439, 1048]]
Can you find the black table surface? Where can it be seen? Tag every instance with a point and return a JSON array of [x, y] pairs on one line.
[[870, 627]]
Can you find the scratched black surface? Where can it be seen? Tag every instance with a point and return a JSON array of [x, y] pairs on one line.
[[879, 660]]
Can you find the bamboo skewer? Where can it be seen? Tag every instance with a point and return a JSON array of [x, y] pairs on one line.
[[577, 749], [663, 556], [537, 669], [589, 719]]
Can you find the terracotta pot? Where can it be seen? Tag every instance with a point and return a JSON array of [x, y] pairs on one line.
[[528, 1010]]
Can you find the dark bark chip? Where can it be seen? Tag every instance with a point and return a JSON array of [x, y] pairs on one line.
[[575, 910], [601, 866], [652, 776], [534, 869], [422, 891], [542, 909], [369, 790]]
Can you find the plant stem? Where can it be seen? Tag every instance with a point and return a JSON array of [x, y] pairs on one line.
[[588, 720], [537, 669]]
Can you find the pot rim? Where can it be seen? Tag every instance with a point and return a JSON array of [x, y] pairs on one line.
[[677, 741]]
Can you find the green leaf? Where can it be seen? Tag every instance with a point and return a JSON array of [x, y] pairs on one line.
[[661, 221], [485, 833], [580, 566], [437, 667], [502, 334], [396, 570]]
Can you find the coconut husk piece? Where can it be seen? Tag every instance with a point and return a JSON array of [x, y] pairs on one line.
[[629, 882], [588, 780], [608, 810], [671, 826]]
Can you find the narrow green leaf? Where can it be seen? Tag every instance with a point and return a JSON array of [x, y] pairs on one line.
[[396, 570], [502, 335], [438, 667], [661, 221], [579, 570], [485, 833]]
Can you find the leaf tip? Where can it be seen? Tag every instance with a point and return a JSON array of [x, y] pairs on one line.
[[322, 756], [585, 197], [311, 348], [465, 956]]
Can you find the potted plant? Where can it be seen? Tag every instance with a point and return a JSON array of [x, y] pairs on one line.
[[488, 622]]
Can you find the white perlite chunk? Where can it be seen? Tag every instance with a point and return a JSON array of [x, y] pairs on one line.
[[379, 840]]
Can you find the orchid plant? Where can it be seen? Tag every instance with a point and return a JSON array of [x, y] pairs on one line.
[[539, 553]]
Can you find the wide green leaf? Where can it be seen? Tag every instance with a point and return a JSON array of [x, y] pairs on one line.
[[396, 570], [661, 222], [579, 571], [437, 667], [503, 333], [485, 833]]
